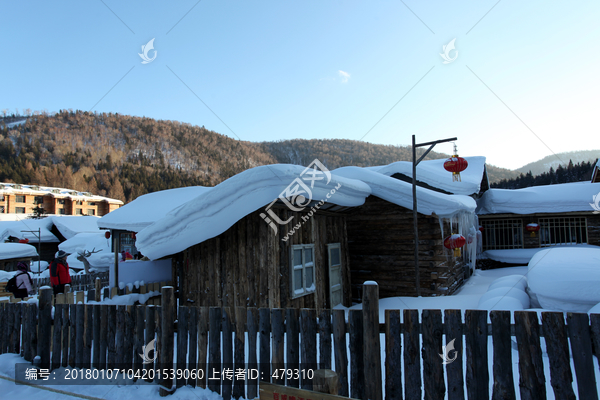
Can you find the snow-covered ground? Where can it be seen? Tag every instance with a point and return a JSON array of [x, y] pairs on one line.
[[467, 298]]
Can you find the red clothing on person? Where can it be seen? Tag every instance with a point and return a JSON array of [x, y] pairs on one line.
[[59, 272]]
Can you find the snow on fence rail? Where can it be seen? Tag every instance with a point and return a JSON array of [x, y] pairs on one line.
[[286, 339]]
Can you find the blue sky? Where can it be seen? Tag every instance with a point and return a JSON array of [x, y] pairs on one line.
[[524, 83]]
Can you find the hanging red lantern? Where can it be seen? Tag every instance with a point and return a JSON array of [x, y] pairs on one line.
[[456, 165], [455, 242], [481, 228], [24, 240], [107, 234], [533, 228], [133, 236]]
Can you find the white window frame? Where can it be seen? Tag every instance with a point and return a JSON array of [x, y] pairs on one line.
[[575, 228], [304, 290], [500, 234], [19, 197], [335, 268]]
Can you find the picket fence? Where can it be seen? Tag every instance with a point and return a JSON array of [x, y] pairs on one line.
[[280, 340], [80, 282]]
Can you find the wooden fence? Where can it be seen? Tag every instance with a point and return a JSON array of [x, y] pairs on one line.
[[80, 282], [277, 339]]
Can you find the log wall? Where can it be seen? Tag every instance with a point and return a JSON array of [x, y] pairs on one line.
[[381, 248], [249, 264]]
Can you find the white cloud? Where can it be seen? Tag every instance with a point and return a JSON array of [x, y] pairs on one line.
[[344, 75]]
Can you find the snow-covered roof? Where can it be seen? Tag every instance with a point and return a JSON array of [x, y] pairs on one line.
[[565, 197], [432, 172], [399, 192], [61, 193], [71, 225], [149, 208], [16, 228], [16, 250], [216, 210]]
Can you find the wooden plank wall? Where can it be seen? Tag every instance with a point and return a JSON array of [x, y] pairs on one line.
[[381, 243], [249, 265]]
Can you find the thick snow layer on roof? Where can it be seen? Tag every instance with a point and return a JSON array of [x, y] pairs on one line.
[[432, 172], [565, 197], [566, 279], [71, 225], [16, 228], [16, 250], [521, 256], [218, 209], [85, 241], [149, 208], [400, 193]]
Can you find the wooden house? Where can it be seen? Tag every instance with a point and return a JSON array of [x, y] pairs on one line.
[[556, 215], [232, 248]]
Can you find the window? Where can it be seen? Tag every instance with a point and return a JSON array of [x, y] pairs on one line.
[[79, 202], [303, 269], [335, 274], [61, 211], [91, 203], [1, 197], [1, 209], [38, 200], [20, 199], [91, 212], [555, 231], [502, 234], [60, 201], [20, 210], [78, 211]]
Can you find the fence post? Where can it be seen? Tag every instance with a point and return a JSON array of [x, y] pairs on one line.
[[167, 340], [98, 287], [45, 322], [372, 352]]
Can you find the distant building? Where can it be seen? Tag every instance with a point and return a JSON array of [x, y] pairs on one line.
[[16, 199]]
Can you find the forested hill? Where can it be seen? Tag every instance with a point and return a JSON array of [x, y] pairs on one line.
[[580, 172], [123, 157]]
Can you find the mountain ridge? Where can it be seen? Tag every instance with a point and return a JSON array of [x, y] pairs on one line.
[[123, 156]]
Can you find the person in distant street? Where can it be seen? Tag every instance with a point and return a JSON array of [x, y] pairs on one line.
[[126, 255], [24, 282], [59, 272]]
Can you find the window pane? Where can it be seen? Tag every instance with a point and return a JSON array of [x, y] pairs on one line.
[[308, 255], [335, 256], [298, 280], [335, 276], [297, 257], [310, 273]]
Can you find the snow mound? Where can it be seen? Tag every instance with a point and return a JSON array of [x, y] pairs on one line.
[[566, 279], [501, 303], [510, 281], [512, 292]]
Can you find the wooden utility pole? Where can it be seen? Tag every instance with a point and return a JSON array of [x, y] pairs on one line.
[[416, 162]]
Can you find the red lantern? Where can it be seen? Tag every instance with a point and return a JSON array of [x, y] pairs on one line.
[[533, 228], [481, 229], [456, 165], [133, 236], [455, 242], [107, 234], [24, 240]]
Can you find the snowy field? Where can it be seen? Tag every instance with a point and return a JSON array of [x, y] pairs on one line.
[[467, 298]]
